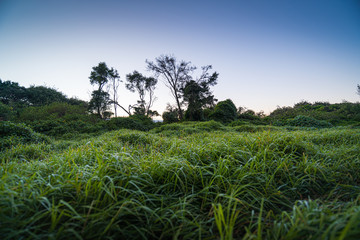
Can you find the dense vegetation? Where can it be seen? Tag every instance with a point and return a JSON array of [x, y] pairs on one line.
[[210, 171], [186, 180]]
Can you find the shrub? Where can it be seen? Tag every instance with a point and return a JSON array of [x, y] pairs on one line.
[[171, 115], [13, 134], [304, 121], [225, 111], [5, 112], [124, 122]]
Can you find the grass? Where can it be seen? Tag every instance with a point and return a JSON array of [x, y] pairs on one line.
[[185, 181]]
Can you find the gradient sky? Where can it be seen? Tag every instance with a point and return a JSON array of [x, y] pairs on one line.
[[268, 53]]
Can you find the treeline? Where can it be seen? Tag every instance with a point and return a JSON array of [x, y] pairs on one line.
[[49, 111], [191, 93]]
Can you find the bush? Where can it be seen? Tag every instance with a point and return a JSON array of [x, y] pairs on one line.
[[304, 121], [5, 112], [225, 111], [13, 134], [171, 115], [125, 122]]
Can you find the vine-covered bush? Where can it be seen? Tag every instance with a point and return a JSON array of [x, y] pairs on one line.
[[225, 111]]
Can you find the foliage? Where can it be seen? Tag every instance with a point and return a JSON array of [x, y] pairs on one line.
[[177, 75], [12, 93], [6, 112], [198, 96], [344, 113], [224, 111], [171, 115], [137, 82], [41, 95], [100, 99], [99, 104], [100, 75], [304, 121], [192, 185], [53, 111], [135, 122], [12, 134]]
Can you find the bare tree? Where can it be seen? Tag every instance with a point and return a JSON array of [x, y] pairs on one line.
[[175, 75], [114, 80]]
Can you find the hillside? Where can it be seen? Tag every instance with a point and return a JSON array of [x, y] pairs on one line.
[[185, 181]]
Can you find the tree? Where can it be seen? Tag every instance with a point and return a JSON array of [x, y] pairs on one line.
[[11, 93], [143, 85], [198, 96], [100, 102], [100, 75], [175, 75], [171, 114], [179, 74], [358, 89], [114, 85], [41, 95], [100, 99]]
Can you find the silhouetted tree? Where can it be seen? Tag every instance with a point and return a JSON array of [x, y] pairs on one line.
[[175, 74], [100, 99], [197, 95], [101, 75], [143, 85], [358, 89]]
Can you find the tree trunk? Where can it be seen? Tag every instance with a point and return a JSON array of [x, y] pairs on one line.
[[128, 112], [179, 107]]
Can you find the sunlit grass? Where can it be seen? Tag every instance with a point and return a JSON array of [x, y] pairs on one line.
[[185, 181]]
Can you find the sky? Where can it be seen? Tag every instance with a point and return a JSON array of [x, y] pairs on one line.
[[267, 53]]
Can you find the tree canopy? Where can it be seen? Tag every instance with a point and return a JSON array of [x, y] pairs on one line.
[[197, 95], [144, 86], [178, 74]]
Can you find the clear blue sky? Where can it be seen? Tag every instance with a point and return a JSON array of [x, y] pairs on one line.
[[268, 53]]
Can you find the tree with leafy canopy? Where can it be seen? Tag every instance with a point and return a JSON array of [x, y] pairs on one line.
[[42, 95], [175, 74], [100, 102], [143, 85], [197, 95], [100, 99], [11, 93]]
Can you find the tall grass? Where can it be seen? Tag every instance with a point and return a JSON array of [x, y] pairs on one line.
[[184, 181]]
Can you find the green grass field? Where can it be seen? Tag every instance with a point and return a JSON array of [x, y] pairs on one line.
[[185, 181]]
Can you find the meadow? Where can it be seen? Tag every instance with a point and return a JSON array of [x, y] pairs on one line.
[[186, 180]]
